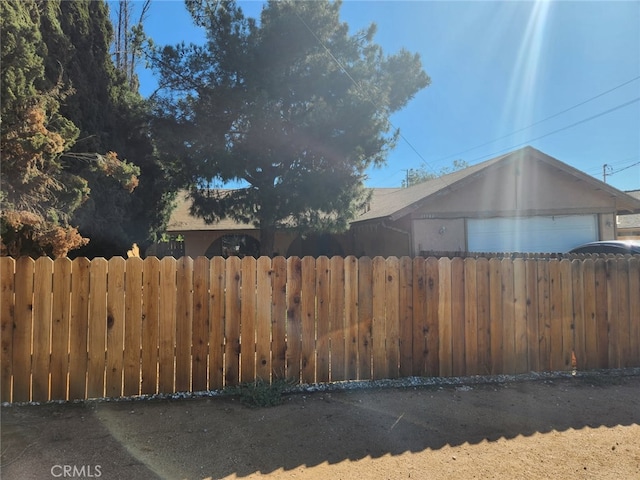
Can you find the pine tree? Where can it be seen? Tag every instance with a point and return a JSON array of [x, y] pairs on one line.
[[112, 117], [38, 195], [55, 161], [295, 108]]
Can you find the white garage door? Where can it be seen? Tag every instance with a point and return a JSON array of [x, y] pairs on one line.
[[531, 234]]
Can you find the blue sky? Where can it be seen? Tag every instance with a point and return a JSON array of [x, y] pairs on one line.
[[496, 68]]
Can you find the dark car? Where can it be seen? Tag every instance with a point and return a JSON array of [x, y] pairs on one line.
[[616, 247]]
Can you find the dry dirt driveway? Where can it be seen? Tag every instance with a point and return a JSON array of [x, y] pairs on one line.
[[582, 427]]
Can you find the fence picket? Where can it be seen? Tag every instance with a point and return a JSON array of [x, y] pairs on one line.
[[392, 320], [365, 317], [23, 330], [150, 325], [351, 317], [521, 343], [470, 317], [444, 318], [232, 322], [457, 299], [590, 316], [184, 323], [555, 332], [567, 315], [200, 331], [7, 320], [544, 317], [602, 320], [323, 284], [42, 310], [623, 318], [115, 326], [78, 326], [133, 325], [483, 313], [167, 325], [579, 319], [508, 318], [531, 294], [60, 328], [432, 327], [419, 317], [294, 312], [405, 327], [378, 329], [279, 318], [495, 315], [336, 315], [97, 326], [248, 320], [263, 319], [217, 275], [308, 321]]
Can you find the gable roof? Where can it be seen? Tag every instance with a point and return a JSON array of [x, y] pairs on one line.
[[406, 200], [395, 203]]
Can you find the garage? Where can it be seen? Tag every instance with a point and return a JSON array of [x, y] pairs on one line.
[[542, 234]]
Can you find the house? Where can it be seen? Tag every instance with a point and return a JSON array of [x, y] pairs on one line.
[[523, 201], [629, 224]]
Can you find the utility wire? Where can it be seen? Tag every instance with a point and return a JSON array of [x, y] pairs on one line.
[[540, 121], [584, 120], [346, 72], [598, 170], [625, 168]]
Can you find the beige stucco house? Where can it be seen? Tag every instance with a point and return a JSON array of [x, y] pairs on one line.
[[523, 201]]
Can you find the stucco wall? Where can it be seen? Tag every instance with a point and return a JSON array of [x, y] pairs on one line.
[[518, 189], [442, 235]]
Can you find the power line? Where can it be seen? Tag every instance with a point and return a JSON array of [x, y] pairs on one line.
[[595, 171], [584, 120], [625, 168], [358, 86], [540, 121]]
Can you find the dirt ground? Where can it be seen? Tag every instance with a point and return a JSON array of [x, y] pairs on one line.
[[581, 427]]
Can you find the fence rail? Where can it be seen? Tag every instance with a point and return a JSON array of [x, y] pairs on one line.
[[88, 329]]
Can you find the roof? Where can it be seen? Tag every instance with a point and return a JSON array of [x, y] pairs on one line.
[[630, 220], [181, 219], [395, 203]]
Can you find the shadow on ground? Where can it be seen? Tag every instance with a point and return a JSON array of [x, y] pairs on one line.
[[219, 437]]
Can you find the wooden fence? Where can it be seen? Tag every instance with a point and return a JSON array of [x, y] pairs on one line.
[[86, 329]]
